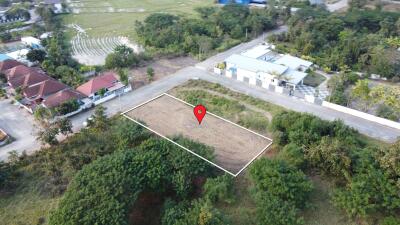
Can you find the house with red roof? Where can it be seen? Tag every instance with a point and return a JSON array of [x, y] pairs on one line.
[[103, 88]]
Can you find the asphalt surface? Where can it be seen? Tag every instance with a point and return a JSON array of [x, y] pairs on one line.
[[19, 124], [337, 6]]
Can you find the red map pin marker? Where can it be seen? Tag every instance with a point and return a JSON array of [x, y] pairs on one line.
[[199, 112]]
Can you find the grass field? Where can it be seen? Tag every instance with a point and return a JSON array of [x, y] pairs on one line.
[[28, 205], [117, 17]]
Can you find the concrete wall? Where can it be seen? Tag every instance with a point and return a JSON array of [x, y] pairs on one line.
[[363, 115]]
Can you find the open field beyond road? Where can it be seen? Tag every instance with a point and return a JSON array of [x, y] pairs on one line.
[[117, 17], [234, 146]]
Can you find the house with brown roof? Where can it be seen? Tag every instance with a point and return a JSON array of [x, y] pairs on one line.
[[61, 97], [41, 90], [37, 88], [103, 88], [27, 80], [18, 71], [8, 64]]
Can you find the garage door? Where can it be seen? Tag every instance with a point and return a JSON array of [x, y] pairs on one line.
[[246, 80]]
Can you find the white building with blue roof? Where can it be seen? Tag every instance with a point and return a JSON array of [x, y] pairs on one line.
[[261, 66]]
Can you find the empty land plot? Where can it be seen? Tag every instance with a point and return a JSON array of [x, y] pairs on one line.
[[235, 147]]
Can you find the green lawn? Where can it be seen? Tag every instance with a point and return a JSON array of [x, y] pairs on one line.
[[117, 17]]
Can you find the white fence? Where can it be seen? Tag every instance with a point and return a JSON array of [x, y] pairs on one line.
[[363, 115]]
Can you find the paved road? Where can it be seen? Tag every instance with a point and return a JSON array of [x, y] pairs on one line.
[[337, 6], [20, 125]]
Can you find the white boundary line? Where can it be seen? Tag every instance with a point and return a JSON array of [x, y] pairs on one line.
[[194, 153], [219, 117], [179, 145]]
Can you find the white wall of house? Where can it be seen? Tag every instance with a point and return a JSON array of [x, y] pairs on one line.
[[241, 75]]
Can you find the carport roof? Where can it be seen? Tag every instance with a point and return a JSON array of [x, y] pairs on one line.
[[294, 76]]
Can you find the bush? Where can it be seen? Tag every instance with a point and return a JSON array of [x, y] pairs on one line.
[[293, 155], [332, 156], [273, 210], [390, 221], [370, 191], [387, 112], [219, 189], [254, 121], [282, 180], [199, 212], [280, 191]]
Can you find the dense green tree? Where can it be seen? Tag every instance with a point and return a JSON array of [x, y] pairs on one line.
[[103, 192], [231, 15], [99, 119], [280, 191], [123, 75], [353, 39], [369, 191], [122, 57], [176, 35], [36, 55], [332, 156], [48, 135], [68, 75], [67, 107], [64, 125]]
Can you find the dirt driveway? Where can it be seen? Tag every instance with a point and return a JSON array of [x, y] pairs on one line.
[[234, 146]]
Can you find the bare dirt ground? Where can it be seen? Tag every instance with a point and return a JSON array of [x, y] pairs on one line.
[[234, 146], [162, 68]]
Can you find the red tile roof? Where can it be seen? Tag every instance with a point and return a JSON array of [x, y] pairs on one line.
[[106, 80], [27, 80], [18, 71], [8, 64], [61, 97], [44, 89]]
